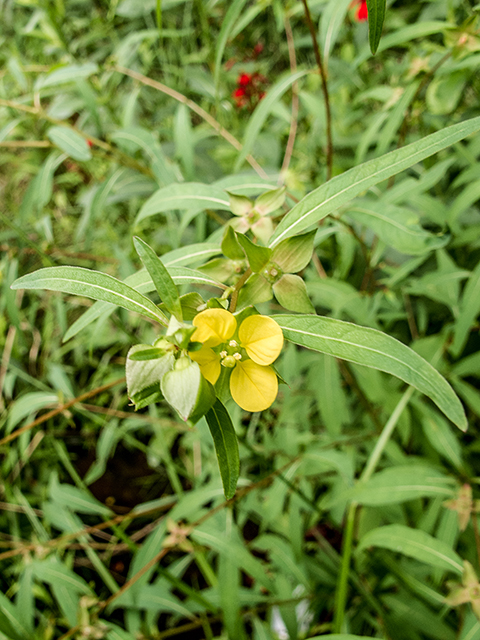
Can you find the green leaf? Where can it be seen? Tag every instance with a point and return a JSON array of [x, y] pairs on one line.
[[469, 310], [162, 280], [331, 21], [69, 73], [53, 572], [270, 201], [291, 293], [71, 142], [255, 291], [395, 485], [230, 245], [92, 284], [376, 18], [27, 405], [10, 622], [439, 434], [188, 195], [341, 189], [341, 636], [398, 227], [257, 256], [228, 22], [75, 499], [226, 447], [294, 254], [375, 349], [187, 391], [144, 374], [142, 282], [261, 113], [414, 543], [402, 36]]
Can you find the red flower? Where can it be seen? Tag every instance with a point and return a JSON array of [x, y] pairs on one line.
[[250, 90], [239, 96], [244, 79], [362, 11]]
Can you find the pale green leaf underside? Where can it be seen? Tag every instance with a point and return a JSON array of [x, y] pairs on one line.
[[91, 284], [414, 543], [374, 349], [341, 189]]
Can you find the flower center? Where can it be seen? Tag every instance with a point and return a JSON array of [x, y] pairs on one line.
[[272, 272], [230, 361]]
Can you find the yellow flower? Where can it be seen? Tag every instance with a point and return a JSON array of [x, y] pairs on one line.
[[248, 351]]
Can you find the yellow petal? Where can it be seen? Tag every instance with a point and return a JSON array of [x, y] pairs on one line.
[[209, 363], [262, 338], [254, 388], [214, 326]]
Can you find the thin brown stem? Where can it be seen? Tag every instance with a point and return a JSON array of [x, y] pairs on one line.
[[294, 118], [26, 144], [37, 111], [323, 76], [477, 536], [55, 412], [410, 316], [176, 95]]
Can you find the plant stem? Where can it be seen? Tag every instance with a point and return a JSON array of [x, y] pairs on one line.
[[385, 435], [238, 286], [323, 75], [294, 118], [342, 584]]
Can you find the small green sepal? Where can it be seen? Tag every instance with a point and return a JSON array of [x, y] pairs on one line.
[[187, 391], [291, 293], [145, 374], [257, 256], [294, 254], [240, 205], [254, 291], [230, 247], [270, 201]]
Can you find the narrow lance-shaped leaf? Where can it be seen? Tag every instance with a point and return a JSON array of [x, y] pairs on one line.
[[376, 17], [92, 284], [226, 446], [415, 544], [374, 349], [190, 195], [71, 142], [162, 280], [228, 23], [341, 189]]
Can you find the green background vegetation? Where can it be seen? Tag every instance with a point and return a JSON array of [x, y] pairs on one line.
[[114, 523]]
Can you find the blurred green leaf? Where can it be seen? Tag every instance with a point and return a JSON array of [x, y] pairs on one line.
[[70, 142], [338, 191], [413, 543]]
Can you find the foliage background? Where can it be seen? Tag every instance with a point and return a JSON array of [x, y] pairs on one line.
[[96, 492]]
